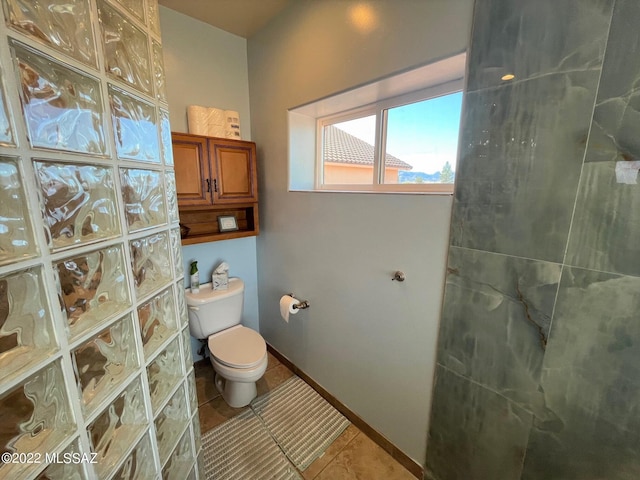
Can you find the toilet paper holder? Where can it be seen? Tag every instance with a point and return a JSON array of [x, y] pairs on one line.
[[301, 305]]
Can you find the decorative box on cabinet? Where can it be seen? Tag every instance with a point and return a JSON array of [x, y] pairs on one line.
[[215, 177]]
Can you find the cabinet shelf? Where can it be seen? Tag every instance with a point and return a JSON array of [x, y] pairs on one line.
[[203, 222]]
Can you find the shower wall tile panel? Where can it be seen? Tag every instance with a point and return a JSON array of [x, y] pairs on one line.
[[78, 202], [16, 236], [64, 26], [554, 179], [126, 49], [522, 206], [591, 382], [83, 99], [606, 226], [62, 106], [475, 433], [144, 198], [560, 45], [135, 127], [498, 310]]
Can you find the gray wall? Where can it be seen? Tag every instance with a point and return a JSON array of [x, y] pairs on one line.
[[207, 66], [367, 340], [538, 371]]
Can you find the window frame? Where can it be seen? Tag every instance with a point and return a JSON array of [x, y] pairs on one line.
[[379, 109]]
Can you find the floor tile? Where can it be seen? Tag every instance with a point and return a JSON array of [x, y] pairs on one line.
[[215, 412], [273, 378], [362, 459], [331, 453]]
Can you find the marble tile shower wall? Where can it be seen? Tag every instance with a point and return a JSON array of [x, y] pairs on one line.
[[94, 345], [538, 373]]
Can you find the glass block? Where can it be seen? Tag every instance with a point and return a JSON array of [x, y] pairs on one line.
[[200, 465], [6, 130], [26, 324], [136, 7], [181, 460], [151, 266], [172, 196], [164, 373], [170, 423], [16, 236], [192, 396], [165, 134], [143, 195], [192, 474], [66, 468], [62, 107], [64, 25], [117, 427], [36, 418], [158, 72], [103, 362], [92, 288], [135, 127], [157, 320], [186, 350], [152, 14], [139, 465], [78, 203], [182, 305], [176, 249], [197, 435], [126, 51]]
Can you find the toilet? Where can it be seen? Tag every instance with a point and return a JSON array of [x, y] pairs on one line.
[[238, 353]]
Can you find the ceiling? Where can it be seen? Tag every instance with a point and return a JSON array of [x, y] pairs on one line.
[[240, 17]]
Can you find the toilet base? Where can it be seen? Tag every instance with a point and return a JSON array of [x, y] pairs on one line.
[[236, 394]]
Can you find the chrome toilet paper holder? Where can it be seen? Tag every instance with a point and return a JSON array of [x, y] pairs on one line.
[[301, 305]]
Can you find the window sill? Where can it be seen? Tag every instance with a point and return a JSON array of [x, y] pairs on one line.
[[369, 192]]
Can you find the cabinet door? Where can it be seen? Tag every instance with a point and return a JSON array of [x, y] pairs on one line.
[[191, 164], [235, 176]]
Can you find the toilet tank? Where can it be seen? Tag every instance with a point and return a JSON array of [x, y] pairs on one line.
[[211, 311]]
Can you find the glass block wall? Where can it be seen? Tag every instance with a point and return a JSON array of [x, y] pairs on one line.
[[95, 358]]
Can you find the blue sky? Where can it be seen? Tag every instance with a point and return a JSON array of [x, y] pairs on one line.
[[423, 134]]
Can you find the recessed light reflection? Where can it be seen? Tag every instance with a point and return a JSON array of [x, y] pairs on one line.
[[363, 17], [508, 76]]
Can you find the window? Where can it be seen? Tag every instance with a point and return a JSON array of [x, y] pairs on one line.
[[397, 134], [407, 143]]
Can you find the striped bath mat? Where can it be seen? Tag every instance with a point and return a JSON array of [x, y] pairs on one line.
[[242, 449], [302, 422]]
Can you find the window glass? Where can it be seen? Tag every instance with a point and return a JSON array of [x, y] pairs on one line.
[[422, 141], [348, 152]]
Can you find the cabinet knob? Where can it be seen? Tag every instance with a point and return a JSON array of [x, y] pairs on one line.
[[215, 185], [208, 185]]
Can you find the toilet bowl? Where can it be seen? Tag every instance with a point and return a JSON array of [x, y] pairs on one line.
[[238, 353], [239, 359]]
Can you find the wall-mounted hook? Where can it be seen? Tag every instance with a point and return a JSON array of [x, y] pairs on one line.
[[399, 276]]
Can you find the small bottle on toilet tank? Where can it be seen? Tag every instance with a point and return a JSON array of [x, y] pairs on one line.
[[195, 278]]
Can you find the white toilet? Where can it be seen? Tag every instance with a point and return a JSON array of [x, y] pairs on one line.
[[238, 354]]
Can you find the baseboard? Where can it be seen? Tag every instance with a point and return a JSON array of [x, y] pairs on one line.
[[402, 458]]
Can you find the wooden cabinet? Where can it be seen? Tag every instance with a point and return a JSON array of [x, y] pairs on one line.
[[215, 176], [211, 171]]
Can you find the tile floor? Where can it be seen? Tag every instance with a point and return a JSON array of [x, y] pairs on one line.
[[351, 456]]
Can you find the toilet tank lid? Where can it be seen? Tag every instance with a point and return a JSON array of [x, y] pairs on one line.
[[206, 294]]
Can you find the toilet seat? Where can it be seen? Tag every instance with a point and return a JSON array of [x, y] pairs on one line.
[[238, 347]]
